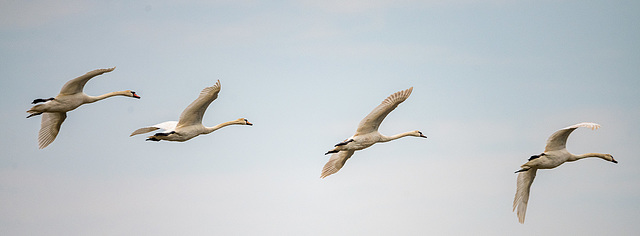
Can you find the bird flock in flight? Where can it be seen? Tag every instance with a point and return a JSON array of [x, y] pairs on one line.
[[189, 125]]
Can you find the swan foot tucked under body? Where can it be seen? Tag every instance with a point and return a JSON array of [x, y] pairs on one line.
[[536, 156], [344, 143], [165, 134], [34, 114], [332, 151], [39, 100], [156, 136]]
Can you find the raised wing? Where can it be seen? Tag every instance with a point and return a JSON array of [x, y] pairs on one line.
[[558, 140], [77, 85], [335, 163], [371, 122], [525, 179], [195, 111], [167, 126], [49, 127]]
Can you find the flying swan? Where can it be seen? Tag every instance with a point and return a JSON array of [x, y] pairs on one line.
[[71, 96], [367, 133], [555, 153], [190, 124]]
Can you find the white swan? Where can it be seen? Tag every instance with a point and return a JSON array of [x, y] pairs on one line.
[[54, 110], [555, 153], [190, 124], [367, 133]]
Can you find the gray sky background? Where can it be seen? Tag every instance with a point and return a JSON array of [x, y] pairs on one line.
[[492, 80]]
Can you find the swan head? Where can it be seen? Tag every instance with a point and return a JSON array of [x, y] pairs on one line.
[[244, 121], [417, 133], [130, 93], [609, 157]]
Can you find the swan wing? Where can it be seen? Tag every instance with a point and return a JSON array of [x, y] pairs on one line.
[[335, 163], [371, 122], [525, 179], [49, 127], [558, 140], [168, 126], [195, 111], [77, 85]]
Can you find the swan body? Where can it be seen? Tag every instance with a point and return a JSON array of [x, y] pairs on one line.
[[367, 133], [71, 96], [554, 155], [190, 124]]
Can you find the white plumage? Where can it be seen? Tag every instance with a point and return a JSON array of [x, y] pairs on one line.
[[367, 133], [190, 124], [555, 154], [71, 96]]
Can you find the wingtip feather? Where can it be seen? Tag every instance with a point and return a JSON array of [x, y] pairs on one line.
[[591, 125], [399, 96]]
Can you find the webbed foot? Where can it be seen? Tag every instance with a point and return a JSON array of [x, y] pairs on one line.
[[39, 100], [34, 114], [536, 156], [344, 143], [152, 139], [164, 134], [332, 151]]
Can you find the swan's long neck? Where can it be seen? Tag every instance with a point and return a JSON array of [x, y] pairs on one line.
[[394, 137], [582, 156], [92, 99], [219, 126]]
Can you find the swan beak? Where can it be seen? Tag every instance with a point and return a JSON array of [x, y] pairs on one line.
[[422, 135], [249, 123], [136, 96], [614, 160]]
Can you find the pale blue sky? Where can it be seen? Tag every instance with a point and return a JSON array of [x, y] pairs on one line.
[[492, 80]]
